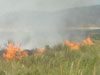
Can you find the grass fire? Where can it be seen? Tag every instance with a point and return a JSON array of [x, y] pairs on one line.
[[49, 37], [13, 51], [70, 58]]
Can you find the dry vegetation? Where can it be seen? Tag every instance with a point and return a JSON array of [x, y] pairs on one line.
[[58, 60]]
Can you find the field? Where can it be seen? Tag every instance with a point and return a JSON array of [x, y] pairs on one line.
[[58, 60]]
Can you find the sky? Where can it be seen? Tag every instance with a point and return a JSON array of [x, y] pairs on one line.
[[42, 5]]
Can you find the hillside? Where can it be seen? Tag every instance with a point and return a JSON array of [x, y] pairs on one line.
[[28, 26]]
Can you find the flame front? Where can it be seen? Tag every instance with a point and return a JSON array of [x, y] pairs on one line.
[[76, 46], [88, 41], [39, 52], [24, 53], [13, 51], [72, 45]]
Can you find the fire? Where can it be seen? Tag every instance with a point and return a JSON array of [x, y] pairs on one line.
[[10, 51], [88, 41], [72, 45], [13, 51], [24, 53], [39, 52], [76, 46]]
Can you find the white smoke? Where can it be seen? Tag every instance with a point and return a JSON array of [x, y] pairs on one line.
[[34, 23]]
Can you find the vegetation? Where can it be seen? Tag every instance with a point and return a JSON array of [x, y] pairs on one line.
[[58, 60]]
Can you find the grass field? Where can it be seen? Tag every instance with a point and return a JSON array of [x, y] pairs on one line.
[[58, 60]]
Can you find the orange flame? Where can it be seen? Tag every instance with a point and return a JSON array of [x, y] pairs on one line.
[[10, 51], [88, 41], [24, 53], [39, 52], [72, 45], [76, 46], [13, 52]]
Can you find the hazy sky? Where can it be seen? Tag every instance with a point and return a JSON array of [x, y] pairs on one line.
[[42, 5], [35, 31]]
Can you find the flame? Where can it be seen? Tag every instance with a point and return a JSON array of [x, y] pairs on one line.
[[39, 52], [76, 46], [72, 45], [13, 51], [10, 51], [88, 41], [24, 53]]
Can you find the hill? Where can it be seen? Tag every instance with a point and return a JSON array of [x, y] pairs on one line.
[[32, 27]]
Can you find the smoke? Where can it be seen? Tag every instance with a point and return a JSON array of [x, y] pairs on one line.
[[7, 6], [37, 29], [35, 23], [30, 29]]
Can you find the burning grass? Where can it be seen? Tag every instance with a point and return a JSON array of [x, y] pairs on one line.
[[88, 41], [72, 45], [13, 51], [76, 45], [39, 52], [58, 60]]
